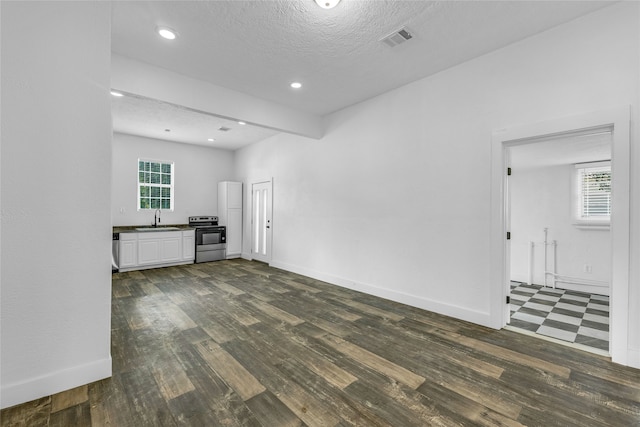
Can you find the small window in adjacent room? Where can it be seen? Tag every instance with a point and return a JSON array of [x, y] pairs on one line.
[[593, 190], [155, 184]]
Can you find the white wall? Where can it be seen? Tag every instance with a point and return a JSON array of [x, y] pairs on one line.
[[197, 173], [395, 199], [541, 198], [56, 223]]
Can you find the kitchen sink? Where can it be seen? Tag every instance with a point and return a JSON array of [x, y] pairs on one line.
[[151, 228]]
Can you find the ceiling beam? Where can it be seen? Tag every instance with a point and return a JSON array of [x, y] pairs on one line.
[[131, 76]]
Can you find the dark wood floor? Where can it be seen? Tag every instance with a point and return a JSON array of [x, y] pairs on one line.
[[236, 343]]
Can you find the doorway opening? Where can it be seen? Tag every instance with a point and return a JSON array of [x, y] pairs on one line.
[[617, 120], [559, 207]]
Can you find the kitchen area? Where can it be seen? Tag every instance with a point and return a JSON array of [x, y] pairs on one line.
[[204, 238], [175, 196]]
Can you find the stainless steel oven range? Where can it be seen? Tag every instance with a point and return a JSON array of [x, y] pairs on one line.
[[211, 238]]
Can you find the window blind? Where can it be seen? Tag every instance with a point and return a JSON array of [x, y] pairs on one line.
[[595, 192]]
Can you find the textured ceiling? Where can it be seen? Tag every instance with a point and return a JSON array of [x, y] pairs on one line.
[[259, 47], [151, 118]]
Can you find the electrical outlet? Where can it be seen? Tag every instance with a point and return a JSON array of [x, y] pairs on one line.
[[587, 268], [122, 211]]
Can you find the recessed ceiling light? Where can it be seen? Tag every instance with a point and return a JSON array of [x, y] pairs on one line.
[[167, 33], [211, 140], [114, 93], [167, 130], [242, 123], [296, 85], [327, 4]]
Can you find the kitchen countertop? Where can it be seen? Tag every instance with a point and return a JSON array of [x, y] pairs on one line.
[[132, 228]]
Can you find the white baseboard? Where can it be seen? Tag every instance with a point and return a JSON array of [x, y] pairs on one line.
[[634, 358], [54, 382], [588, 289], [417, 301]]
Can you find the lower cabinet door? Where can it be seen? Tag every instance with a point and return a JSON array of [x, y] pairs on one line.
[[148, 252], [171, 249], [188, 245], [127, 253], [234, 233]]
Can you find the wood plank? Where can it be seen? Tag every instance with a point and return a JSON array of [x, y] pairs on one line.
[[507, 354], [288, 346], [369, 309], [223, 403], [147, 403], [68, 398], [350, 410], [225, 287], [420, 348], [311, 409], [374, 361], [150, 289], [171, 378], [177, 316], [275, 312], [272, 412], [463, 406], [78, 415], [120, 290], [397, 409], [336, 329], [574, 399], [241, 380], [242, 316], [490, 394], [301, 286], [34, 413], [138, 319], [190, 410], [109, 403]]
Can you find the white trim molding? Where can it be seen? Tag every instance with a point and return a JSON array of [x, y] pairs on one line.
[[473, 316], [35, 388]]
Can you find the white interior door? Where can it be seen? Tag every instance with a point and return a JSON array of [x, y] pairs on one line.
[[261, 228]]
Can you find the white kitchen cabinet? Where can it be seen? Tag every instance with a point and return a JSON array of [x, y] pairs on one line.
[[127, 250], [234, 238], [230, 215], [159, 247], [151, 249], [189, 245]]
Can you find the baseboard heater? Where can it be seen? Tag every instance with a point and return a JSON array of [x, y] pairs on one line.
[[551, 274]]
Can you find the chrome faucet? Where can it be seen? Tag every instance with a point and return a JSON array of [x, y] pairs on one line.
[[156, 218]]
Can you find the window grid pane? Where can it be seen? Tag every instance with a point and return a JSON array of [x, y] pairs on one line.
[[155, 185]]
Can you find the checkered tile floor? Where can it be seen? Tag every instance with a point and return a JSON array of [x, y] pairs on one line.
[[571, 316]]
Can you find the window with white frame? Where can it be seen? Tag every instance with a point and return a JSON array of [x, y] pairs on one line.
[[593, 186], [155, 184]]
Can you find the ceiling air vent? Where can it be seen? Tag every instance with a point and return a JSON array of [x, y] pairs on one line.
[[397, 37], [224, 129]]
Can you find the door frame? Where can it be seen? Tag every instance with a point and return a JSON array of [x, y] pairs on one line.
[[269, 215], [619, 120]]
